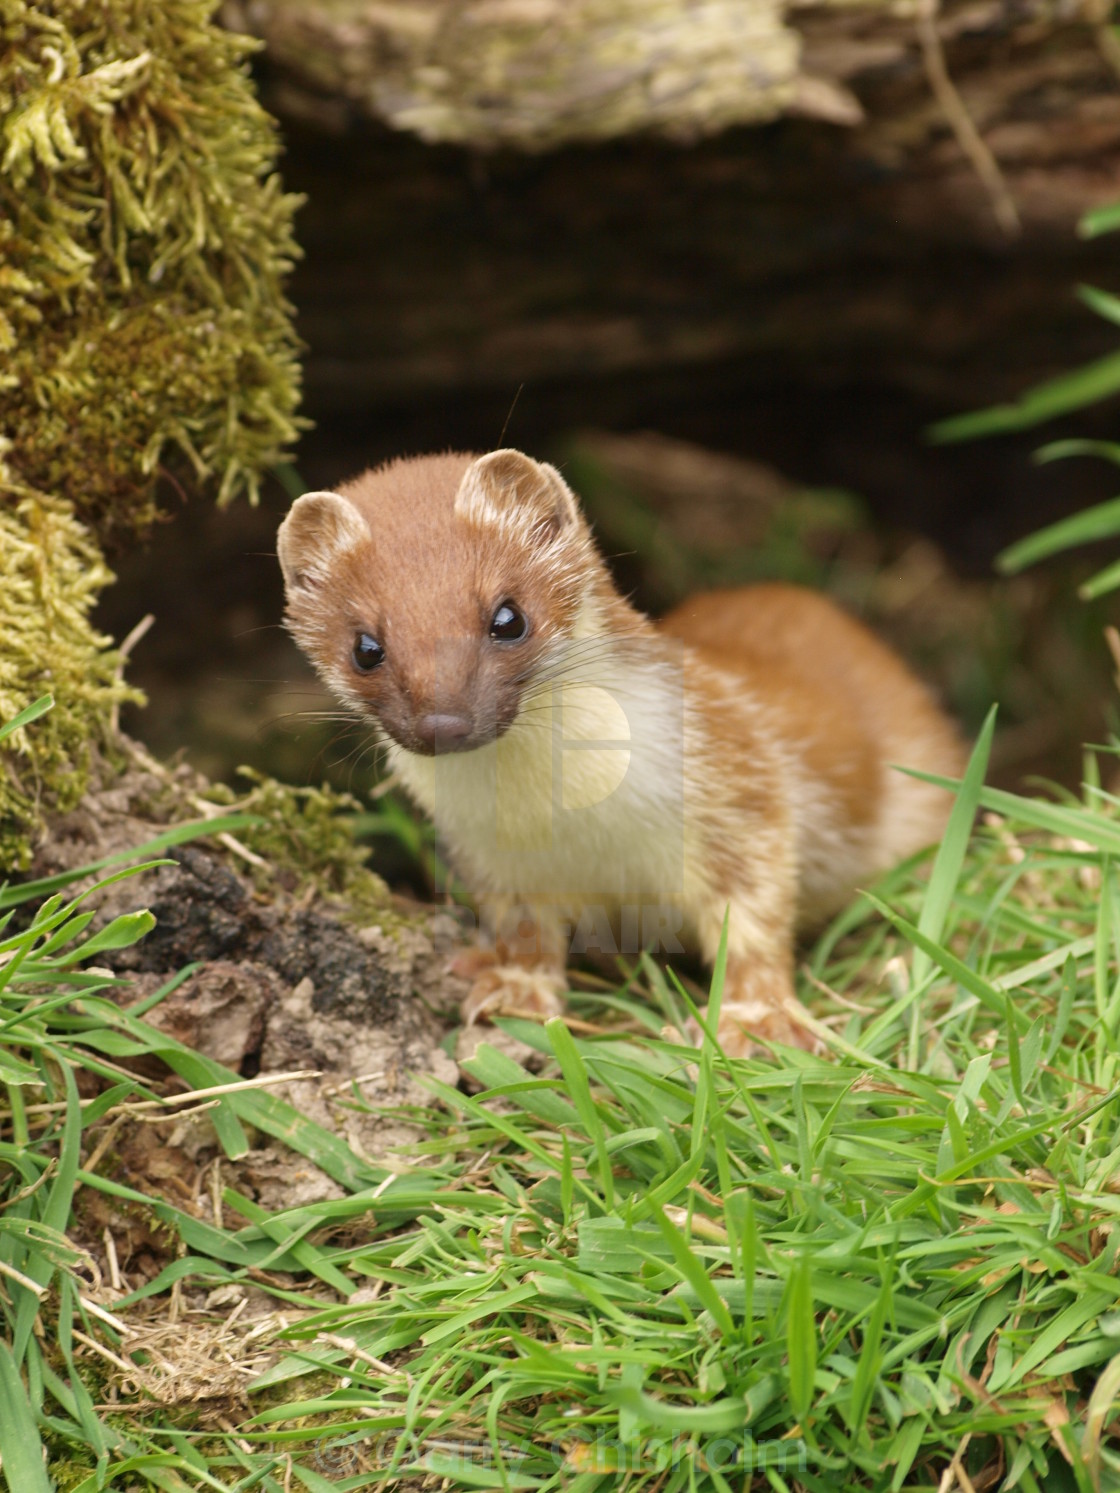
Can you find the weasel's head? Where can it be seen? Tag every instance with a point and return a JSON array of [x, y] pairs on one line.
[[430, 592]]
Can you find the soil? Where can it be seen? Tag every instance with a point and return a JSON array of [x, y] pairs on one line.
[[285, 983]]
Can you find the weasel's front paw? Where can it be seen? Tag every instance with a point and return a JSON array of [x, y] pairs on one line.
[[746, 1026], [513, 990], [470, 962]]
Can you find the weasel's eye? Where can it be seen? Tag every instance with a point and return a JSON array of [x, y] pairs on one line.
[[367, 653], [508, 625]]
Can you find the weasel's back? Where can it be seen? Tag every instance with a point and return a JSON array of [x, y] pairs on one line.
[[848, 707], [823, 669]]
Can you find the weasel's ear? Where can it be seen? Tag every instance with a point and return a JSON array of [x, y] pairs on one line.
[[510, 490], [319, 527]]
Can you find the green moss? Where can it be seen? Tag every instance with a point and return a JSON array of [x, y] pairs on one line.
[[144, 239], [309, 834], [51, 573]]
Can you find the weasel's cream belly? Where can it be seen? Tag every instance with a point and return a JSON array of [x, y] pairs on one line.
[[582, 799]]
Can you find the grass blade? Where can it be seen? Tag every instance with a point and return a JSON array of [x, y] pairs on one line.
[[21, 1448], [1100, 220], [579, 1087], [28, 714], [178, 834], [1101, 584], [953, 848], [801, 1341], [1057, 396], [1102, 521], [1059, 450]]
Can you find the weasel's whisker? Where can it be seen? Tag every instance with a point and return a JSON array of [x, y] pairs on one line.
[[262, 627], [370, 747], [321, 755]]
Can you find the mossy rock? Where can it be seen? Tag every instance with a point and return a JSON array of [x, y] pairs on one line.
[[308, 835], [144, 240], [51, 573]]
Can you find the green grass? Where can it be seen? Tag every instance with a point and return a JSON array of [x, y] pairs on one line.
[[1066, 394], [647, 1267]]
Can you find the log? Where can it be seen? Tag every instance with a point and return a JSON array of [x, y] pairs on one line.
[[429, 272], [810, 290], [930, 219], [537, 74]]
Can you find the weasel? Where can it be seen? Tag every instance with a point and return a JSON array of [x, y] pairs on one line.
[[595, 775]]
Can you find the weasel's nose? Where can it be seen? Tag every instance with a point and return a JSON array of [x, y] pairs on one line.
[[443, 733]]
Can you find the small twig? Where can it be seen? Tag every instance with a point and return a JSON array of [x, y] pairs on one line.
[[348, 1345], [1112, 638], [103, 1144], [216, 1191], [174, 1305], [233, 844], [231, 1431], [91, 1342], [123, 652], [207, 809], [33, 1187], [111, 1259], [955, 1471], [834, 995], [263, 1080], [234, 1314], [166, 1115], [332, 1091], [107, 1317], [24, 1280], [960, 122], [213, 811], [171, 1106]]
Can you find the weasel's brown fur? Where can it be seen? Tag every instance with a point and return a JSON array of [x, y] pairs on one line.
[[606, 771]]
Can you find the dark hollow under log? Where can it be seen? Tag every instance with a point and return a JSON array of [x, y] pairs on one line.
[[763, 293]]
